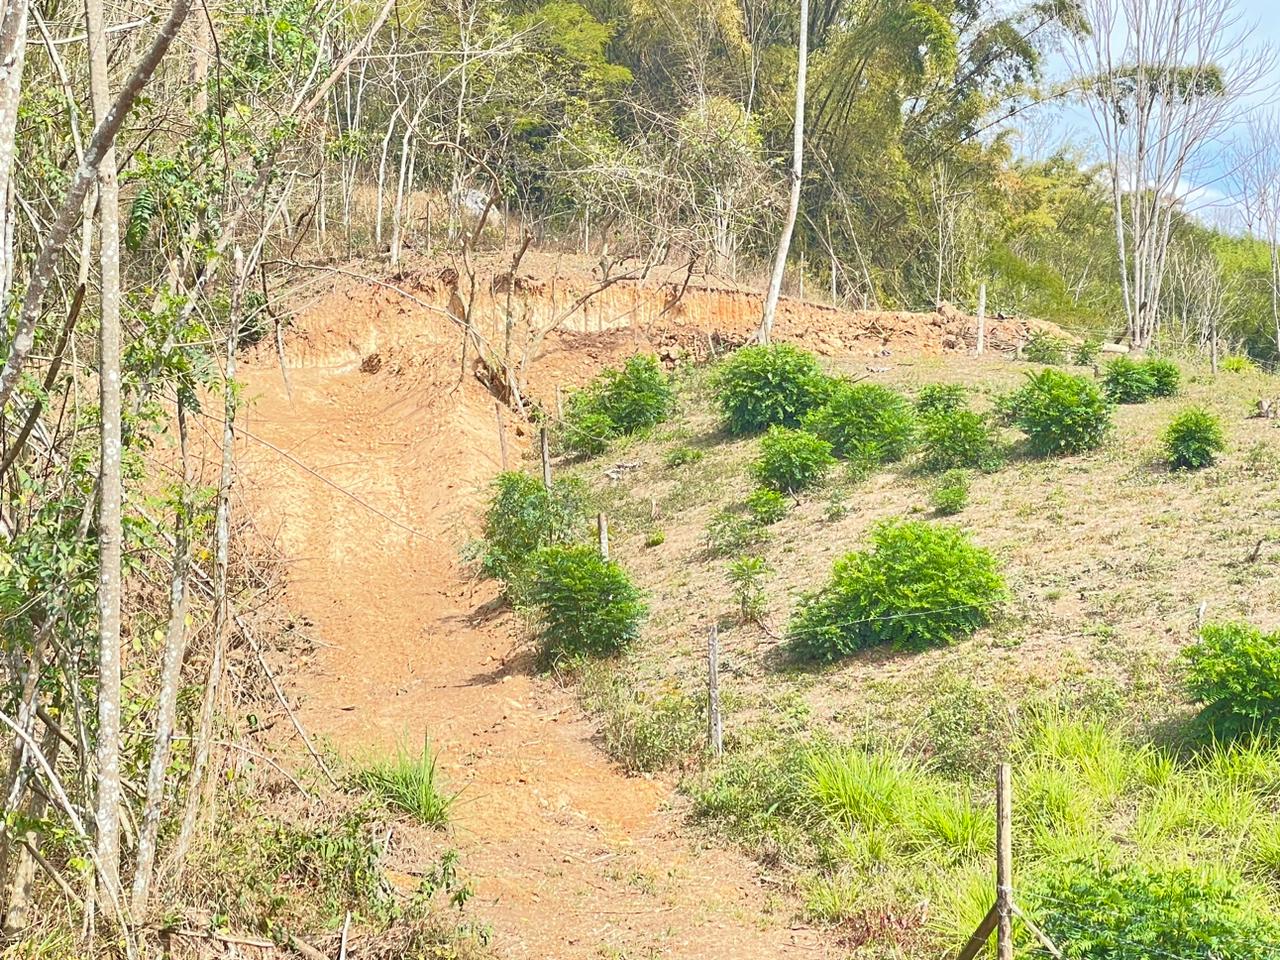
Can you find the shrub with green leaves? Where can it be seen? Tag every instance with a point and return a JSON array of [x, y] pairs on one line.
[[1166, 378], [1127, 381], [585, 605], [950, 494], [523, 515], [1135, 911], [679, 456], [941, 398], [791, 460], [1236, 364], [1193, 439], [766, 506], [921, 585], [959, 438], [1061, 412], [585, 431], [761, 386], [1234, 670], [619, 402], [731, 532], [866, 422], [746, 577], [1044, 347], [1087, 351]]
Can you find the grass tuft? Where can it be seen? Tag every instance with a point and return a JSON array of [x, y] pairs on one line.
[[410, 783]]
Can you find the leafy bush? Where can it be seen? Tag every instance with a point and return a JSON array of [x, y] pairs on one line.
[[766, 506], [679, 456], [730, 532], [1234, 670], [1061, 412], [523, 516], [1128, 381], [865, 421], [619, 402], [1193, 439], [1087, 351], [1166, 378], [951, 493], [655, 538], [746, 577], [647, 732], [959, 438], [1045, 348], [791, 460], [762, 386], [940, 398], [585, 605], [921, 585], [1134, 912], [1236, 364], [410, 783]]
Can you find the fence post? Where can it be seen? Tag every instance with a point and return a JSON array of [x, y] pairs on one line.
[[502, 434], [602, 528], [546, 458], [982, 319], [559, 404], [1004, 862], [715, 728]]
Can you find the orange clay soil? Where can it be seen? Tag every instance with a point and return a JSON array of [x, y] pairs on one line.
[[368, 470]]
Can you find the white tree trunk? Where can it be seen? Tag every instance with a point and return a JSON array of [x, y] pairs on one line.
[[13, 49]]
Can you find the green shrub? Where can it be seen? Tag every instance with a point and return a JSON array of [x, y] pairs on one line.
[[951, 493], [1087, 351], [791, 460], [865, 421], [523, 516], [1132, 911], [585, 605], [941, 398], [959, 438], [746, 577], [730, 532], [1128, 381], [1193, 439], [1234, 670], [1043, 347], [1061, 412], [586, 432], [647, 732], [1166, 378], [655, 538], [921, 585], [761, 386], [766, 506], [679, 456], [410, 783], [1236, 364], [619, 402]]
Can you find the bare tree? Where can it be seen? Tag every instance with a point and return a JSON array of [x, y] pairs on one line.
[[1162, 79], [797, 170], [1258, 186]]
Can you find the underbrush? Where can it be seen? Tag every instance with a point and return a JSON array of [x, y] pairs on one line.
[[409, 782]]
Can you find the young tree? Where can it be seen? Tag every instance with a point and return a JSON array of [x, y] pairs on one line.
[[1258, 187]]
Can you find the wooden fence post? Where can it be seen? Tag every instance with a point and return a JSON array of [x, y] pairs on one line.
[[982, 320], [602, 528], [559, 404], [1004, 862], [546, 458], [715, 727], [502, 434]]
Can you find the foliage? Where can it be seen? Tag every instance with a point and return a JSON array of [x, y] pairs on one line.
[[1087, 352], [1136, 381], [920, 585], [950, 494], [791, 460], [730, 532], [410, 783], [522, 516], [866, 422], [1166, 378], [585, 605], [746, 577], [1061, 413], [655, 538], [1234, 670], [761, 386], [1193, 439], [1236, 364], [1043, 347], [766, 506], [941, 398], [646, 732], [959, 438], [619, 402], [679, 456]]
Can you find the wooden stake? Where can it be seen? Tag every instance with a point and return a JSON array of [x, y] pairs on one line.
[[602, 527], [546, 458], [982, 319], [559, 404], [1004, 863], [502, 434], [715, 728]]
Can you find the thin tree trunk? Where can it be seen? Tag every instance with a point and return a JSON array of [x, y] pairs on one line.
[[110, 480], [797, 170], [13, 50]]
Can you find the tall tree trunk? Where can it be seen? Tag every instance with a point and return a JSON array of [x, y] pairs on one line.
[[797, 170], [13, 49], [110, 482]]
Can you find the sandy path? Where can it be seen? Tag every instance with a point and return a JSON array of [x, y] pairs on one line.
[[570, 858]]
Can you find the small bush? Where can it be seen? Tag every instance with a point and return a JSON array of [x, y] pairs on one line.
[[791, 460], [1166, 378], [959, 438], [1134, 912], [1128, 381], [682, 455], [1061, 413], [586, 432], [746, 577], [766, 506], [585, 605], [523, 516], [941, 398], [920, 585], [619, 402], [655, 538], [762, 386], [951, 493], [1234, 670], [410, 783], [865, 421], [1236, 364], [1193, 439], [647, 732], [1045, 348], [1087, 351], [730, 532]]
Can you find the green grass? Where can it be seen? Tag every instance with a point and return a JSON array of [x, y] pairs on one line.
[[410, 783]]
